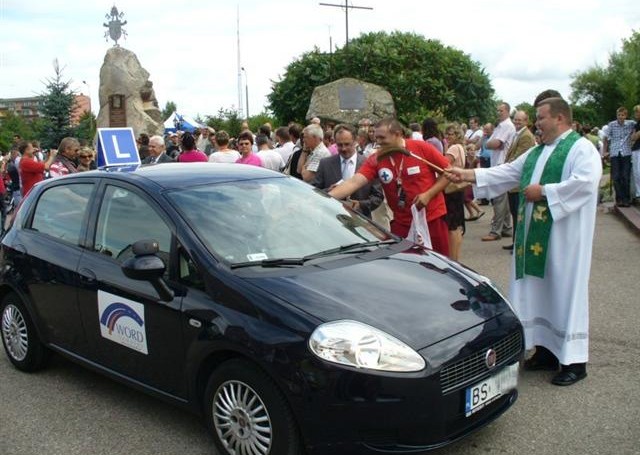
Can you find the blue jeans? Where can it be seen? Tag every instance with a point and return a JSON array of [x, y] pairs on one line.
[[621, 176]]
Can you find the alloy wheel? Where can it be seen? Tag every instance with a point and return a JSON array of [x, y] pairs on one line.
[[14, 333], [241, 419]]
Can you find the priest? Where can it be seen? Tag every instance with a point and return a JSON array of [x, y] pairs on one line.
[[559, 182]]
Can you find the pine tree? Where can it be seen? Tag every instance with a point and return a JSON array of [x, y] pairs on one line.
[[59, 103]]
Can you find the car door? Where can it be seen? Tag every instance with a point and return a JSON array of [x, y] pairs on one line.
[[130, 330], [48, 249]]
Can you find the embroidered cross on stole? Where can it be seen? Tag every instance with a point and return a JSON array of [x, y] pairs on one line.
[[531, 256]]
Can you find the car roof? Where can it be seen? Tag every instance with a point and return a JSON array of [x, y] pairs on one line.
[[170, 176]]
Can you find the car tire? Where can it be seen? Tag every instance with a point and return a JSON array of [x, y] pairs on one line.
[[247, 413], [19, 336]]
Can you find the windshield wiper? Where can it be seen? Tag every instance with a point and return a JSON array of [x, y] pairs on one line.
[[277, 262], [283, 262], [351, 247]]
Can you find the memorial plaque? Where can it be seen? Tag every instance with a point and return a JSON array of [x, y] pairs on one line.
[[117, 111], [351, 98]]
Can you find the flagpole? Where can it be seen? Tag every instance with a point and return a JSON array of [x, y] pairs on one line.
[[240, 103]]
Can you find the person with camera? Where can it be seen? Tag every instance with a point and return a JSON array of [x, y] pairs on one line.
[[31, 170]]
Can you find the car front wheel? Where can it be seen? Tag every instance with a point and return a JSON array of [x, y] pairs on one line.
[[19, 337], [247, 413]]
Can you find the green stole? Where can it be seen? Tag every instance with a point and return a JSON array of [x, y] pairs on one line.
[[532, 257]]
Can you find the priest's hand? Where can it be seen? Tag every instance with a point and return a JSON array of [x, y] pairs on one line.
[[458, 175], [533, 193]]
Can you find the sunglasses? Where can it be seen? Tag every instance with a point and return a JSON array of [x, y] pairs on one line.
[[86, 156]]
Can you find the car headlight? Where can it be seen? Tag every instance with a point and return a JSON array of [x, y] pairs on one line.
[[359, 345]]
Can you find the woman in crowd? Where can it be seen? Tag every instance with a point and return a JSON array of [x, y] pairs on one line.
[[245, 145], [85, 159], [431, 134], [189, 152], [455, 153], [223, 154]]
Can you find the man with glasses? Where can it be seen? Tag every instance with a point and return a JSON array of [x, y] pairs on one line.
[[341, 167], [66, 159]]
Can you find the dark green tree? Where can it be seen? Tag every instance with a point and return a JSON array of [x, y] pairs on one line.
[[424, 77], [58, 105], [599, 91], [86, 129], [227, 120], [13, 124], [256, 121], [169, 109]]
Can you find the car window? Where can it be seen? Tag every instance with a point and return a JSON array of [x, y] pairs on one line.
[[126, 218], [61, 211], [270, 218], [188, 273]]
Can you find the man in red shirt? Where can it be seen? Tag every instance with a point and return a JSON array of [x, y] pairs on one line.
[[405, 181], [31, 170]]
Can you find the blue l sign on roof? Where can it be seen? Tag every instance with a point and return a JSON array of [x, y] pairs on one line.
[[117, 147]]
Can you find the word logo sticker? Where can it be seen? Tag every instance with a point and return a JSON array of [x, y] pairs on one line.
[[122, 321]]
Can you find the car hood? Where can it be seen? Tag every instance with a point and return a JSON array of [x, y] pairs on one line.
[[419, 297]]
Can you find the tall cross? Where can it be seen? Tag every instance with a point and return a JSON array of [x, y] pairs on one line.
[[346, 7]]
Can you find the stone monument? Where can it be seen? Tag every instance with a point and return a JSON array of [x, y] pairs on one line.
[[348, 100], [127, 98]]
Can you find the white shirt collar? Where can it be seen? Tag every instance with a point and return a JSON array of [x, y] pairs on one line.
[[352, 159]]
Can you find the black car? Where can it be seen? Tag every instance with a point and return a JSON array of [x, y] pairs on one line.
[[291, 323]]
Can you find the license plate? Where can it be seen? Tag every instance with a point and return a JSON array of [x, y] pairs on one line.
[[481, 394]]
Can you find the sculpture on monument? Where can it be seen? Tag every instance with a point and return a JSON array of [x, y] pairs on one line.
[[115, 30]]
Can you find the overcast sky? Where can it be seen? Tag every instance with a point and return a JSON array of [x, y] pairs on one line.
[[190, 47]]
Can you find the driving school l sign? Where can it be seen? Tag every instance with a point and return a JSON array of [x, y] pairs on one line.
[[117, 147]]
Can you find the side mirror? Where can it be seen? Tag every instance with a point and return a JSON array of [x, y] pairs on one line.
[[146, 266]]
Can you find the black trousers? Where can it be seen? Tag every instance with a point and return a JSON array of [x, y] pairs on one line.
[[621, 176], [514, 202]]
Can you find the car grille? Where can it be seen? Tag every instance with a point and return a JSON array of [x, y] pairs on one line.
[[473, 367]]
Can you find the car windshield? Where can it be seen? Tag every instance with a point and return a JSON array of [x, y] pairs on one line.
[[269, 219]]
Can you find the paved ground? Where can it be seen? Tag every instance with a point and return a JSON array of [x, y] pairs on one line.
[[67, 410]]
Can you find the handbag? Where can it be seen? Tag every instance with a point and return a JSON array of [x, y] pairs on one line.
[[419, 230]]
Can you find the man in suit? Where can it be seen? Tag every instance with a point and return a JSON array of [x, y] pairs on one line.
[[157, 152], [522, 142], [341, 167]]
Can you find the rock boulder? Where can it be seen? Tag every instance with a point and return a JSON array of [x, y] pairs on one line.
[[348, 100], [122, 74]]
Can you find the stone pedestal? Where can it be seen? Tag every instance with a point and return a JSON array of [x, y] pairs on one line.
[[127, 98], [348, 100]]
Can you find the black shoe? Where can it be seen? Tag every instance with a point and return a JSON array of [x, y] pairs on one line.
[[542, 360], [508, 247], [570, 374], [506, 234]]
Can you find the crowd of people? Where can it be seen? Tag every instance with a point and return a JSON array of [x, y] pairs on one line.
[[27, 164], [301, 151], [540, 175]]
